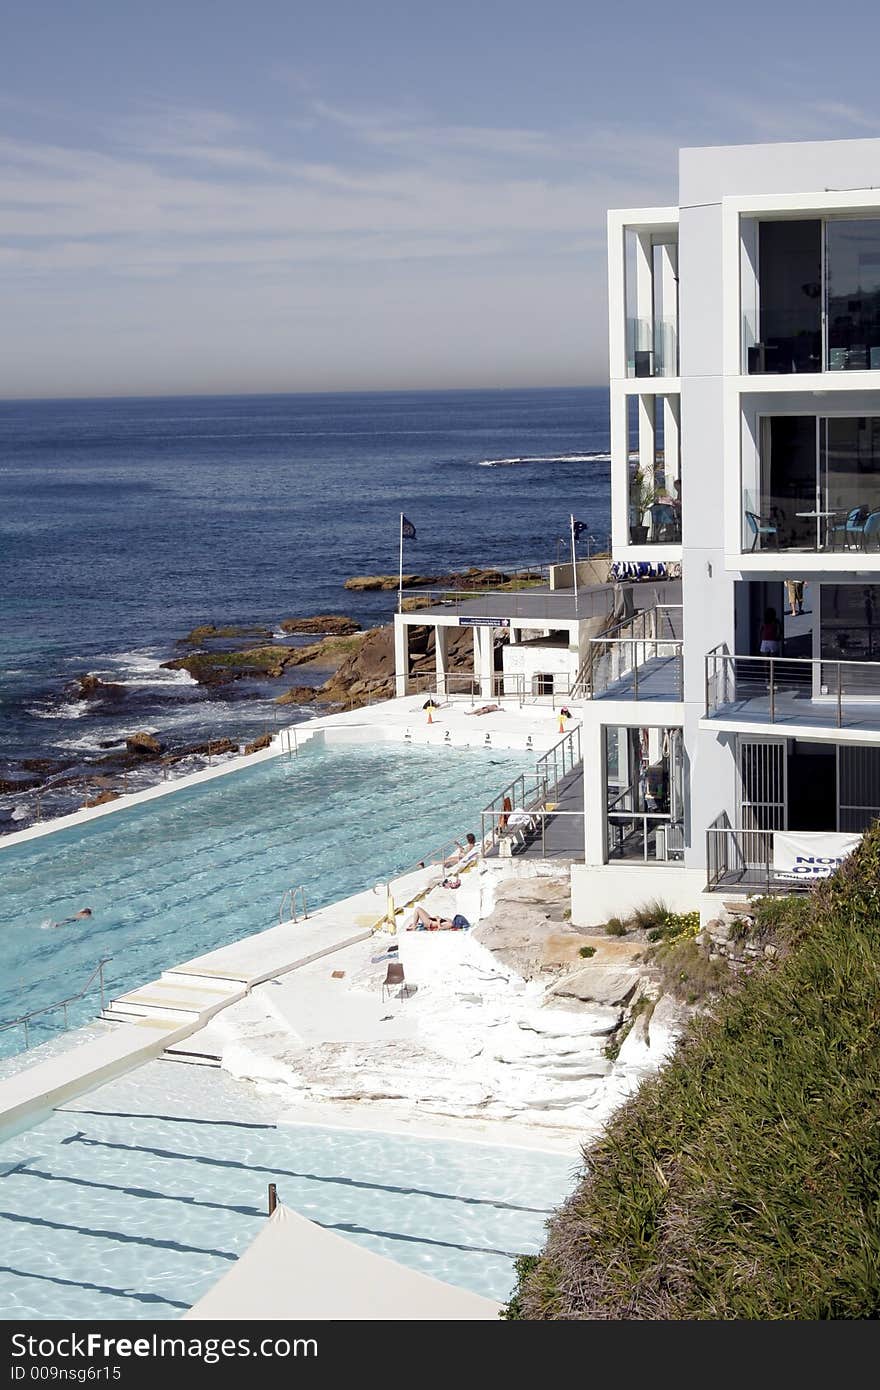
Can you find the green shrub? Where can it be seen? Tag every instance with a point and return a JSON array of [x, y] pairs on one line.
[[677, 924], [524, 1266], [741, 1181], [687, 972], [587, 951], [614, 927], [651, 915]]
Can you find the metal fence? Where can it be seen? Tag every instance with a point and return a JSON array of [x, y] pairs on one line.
[[25, 1020], [651, 836], [782, 689], [738, 860], [531, 791], [621, 656]]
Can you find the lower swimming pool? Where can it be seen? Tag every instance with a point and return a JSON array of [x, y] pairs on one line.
[[132, 1201], [173, 878]]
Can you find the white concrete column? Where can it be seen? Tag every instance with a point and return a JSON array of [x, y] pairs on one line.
[[619, 469], [616, 297], [671, 443], [669, 306], [441, 647], [401, 655], [486, 651], [592, 746], [645, 291], [647, 447]]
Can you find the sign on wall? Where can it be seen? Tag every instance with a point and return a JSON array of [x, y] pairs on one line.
[[809, 854], [484, 622]]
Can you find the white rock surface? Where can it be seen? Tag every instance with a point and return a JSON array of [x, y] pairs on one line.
[[472, 1038]]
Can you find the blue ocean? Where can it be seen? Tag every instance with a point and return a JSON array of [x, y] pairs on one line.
[[125, 523]]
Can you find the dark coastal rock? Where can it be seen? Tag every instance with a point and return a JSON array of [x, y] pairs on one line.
[[144, 745], [221, 668], [101, 799], [363, 583], [10, 785], [473, 578], [213, 749], [209, 631], [324, 622], [47, 765], [262, 742], [297, 695], [93, 688], [367, 673]]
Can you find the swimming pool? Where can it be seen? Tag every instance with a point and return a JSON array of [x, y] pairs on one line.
[[132, 1201], [173, 878]]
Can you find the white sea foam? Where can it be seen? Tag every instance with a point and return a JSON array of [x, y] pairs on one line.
[[545, 458], [138, 668], [70, 709]]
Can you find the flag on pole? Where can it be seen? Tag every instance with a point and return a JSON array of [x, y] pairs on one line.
[[578, 528], [407, 530]]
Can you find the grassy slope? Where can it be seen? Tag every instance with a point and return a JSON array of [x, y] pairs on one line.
[[744, 1180]]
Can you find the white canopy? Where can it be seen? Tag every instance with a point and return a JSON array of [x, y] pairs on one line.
[[297, 1270]]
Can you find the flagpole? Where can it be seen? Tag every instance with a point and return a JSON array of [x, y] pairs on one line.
[[574, 569], [400, 581]]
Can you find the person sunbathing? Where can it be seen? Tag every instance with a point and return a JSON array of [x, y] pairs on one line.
[[465, 852], [422, 920], [483, 709]]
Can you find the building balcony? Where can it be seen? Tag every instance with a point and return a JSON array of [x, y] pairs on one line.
[[815, 295], [813, 486], [741, 861], [639, 659], [792, 693], [651, 347]]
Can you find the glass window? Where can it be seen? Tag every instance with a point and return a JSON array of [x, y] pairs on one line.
[[790, 274], [850, 627], [852, 280]]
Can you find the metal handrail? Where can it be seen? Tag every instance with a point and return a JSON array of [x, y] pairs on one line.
[[291, 895], [24, 1020], [721, 667]]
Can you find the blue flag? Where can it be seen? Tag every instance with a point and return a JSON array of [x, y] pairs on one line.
[[578, 527], [407, 530]]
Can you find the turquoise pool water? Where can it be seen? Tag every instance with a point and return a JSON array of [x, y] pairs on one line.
[[176, 877], [133, 1200]]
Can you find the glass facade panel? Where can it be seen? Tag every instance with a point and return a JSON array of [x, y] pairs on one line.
[[820, 485], [850, 622], [852, 285], [789, 333]]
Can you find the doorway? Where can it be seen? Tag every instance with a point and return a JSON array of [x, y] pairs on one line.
[[812, 786]]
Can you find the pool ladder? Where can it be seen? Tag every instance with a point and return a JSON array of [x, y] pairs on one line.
[[291, 896]]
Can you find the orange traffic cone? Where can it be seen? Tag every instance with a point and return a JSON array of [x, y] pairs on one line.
[[562, 723], [430, 714]]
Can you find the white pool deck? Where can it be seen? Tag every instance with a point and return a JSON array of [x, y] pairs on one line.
[[164, 1012]]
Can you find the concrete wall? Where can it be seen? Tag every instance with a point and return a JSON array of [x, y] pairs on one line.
[[589, 573], [805, 166], [528, 659], [616, 890]]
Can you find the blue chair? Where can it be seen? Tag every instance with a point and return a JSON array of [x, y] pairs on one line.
[[851, 532], [871, 531], [759, 528]]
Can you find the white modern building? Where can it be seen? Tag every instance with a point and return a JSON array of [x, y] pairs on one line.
[[745, 430]]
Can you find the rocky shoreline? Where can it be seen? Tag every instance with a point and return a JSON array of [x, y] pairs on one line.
[[326, 660]]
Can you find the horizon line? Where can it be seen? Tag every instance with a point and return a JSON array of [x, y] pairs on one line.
[[343, 391]]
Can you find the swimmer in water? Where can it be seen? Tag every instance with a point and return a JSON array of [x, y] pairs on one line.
[[77, 916]]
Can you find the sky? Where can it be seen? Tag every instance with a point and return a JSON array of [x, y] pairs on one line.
[[269, 195]]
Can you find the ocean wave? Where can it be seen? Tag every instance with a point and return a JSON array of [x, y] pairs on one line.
[[545, 458], [69, 709], [143, 668]]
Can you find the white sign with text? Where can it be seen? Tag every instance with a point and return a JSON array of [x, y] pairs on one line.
[[810, 854]]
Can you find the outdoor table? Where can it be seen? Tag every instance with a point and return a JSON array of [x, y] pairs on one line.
[[819, 516]]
